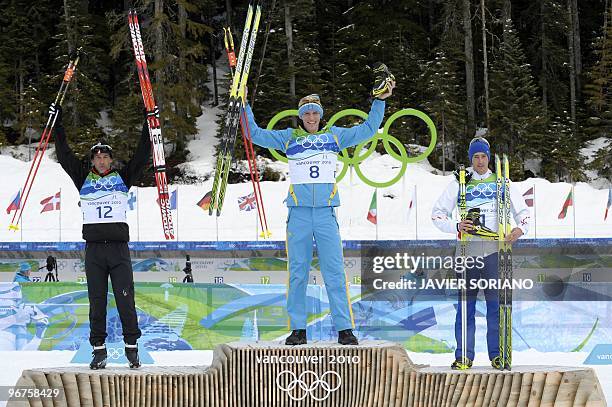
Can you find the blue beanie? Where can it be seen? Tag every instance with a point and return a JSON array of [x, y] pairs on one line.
[[310, 103], [23, 267], [479, 145]]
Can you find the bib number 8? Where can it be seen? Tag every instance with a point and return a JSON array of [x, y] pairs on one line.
[[314, 171], [107, 212]]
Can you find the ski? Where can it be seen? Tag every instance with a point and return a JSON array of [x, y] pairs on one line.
[[157, 141], [504, 258], [507, 266], [42, 144], [462, 253], [236, 104]]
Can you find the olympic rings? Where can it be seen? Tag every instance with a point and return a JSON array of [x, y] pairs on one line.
[[115, 353], [487, 190], [106, 183], [313, 140], [299, 382], [385, 136]]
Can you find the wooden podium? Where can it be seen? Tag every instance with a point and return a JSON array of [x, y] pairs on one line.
[[262, 374]]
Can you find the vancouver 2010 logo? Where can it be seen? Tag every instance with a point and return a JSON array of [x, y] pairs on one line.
[[298, 388]]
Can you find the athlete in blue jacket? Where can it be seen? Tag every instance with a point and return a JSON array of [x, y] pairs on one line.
[[313, 194]]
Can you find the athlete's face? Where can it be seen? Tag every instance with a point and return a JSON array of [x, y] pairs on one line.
[[101, 162], [480, 163], [311, 121]]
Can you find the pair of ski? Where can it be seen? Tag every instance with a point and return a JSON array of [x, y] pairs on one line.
[[236, 116], [42, 144], [154, 124], [504, 260], [504, 255]]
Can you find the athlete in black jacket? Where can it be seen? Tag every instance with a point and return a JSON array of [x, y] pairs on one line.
[[104, 195]]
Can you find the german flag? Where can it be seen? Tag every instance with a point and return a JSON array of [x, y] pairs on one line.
[[204, 203]]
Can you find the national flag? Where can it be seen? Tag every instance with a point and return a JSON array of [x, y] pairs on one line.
[[372, 216], [14, 205], [528, 197], [247, 202], [204, 203], [51, 203], [173, 200], [609, 204], [132, 201], [569, 201]]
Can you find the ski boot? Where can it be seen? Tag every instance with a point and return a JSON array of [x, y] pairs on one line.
[[383, 77], [497, 363], [99, 357], [346, 337], [131, 353], [297, 337], [461, 364]]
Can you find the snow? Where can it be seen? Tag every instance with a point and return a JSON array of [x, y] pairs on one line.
[[20, 360], [395, 220], [589, 153]]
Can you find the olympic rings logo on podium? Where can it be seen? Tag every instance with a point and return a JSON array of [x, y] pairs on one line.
[[115, 353], [303, 389], [386, 138], [313, 140]]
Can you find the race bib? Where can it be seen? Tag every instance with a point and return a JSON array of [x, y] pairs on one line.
[[319, 168], [105, 209], [104, 199]]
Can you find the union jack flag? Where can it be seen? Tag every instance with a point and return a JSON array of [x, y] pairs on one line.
[[248, 202]]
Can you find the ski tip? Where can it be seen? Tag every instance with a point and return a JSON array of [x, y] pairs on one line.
[[13, 227], [265, 235]]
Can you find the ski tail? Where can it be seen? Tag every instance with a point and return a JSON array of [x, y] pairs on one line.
[[42, 144]]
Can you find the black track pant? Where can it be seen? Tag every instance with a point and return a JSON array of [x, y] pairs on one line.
[[101, 260]]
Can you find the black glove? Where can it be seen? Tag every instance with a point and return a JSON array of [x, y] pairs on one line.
[[55, 109]]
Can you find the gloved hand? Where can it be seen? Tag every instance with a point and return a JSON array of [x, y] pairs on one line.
[[384, 82], [55, 109]]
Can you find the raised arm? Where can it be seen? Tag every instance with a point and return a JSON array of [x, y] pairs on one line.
[[351, 136], [275, 139], [75, 168], [133, 170]]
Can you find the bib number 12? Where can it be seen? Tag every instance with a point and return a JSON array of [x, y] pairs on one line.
[[107, 210]]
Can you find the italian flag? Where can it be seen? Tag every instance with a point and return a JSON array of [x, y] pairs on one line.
[[569, 201], [372, 212]]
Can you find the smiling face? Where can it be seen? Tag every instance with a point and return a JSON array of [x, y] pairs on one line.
[[480, 163], [311, 121], [101, 162]]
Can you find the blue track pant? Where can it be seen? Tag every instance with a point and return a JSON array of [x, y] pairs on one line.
[[304, 223], [489, 271]]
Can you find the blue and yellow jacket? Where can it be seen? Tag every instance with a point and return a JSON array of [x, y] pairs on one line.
[[316, 195]]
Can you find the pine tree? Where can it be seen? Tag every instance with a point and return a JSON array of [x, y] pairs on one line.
[[517, 118], [79, 29], [444, 100], [600, 100]]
